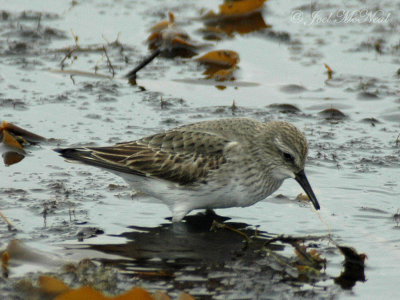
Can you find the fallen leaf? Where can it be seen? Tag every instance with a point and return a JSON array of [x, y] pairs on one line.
[[12, 157], [223, 74], [222, 58], [235, 8], [83, 293], [18, 131], [4, 263], [20, 251], [329, 71], [52, 285], [242, 25], [10, 141], [135, 294], [160, 296], [164, 24], [185, 296], [302, 197]]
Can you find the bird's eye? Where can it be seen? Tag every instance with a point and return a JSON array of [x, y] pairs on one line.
[[288, 157]]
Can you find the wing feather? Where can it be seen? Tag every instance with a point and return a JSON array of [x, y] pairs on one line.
[[181, 156]]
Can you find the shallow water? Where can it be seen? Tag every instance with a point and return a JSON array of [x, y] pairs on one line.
[[353, 161]]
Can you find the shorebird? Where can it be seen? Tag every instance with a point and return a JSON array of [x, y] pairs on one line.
[[233, 162]]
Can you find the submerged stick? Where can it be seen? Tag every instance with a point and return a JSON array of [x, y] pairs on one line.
[[9, 224], [132, 74]]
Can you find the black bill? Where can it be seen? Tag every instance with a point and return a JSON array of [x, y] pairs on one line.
[[301, 178]]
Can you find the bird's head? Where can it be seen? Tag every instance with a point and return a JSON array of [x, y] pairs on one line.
[[288, 152]]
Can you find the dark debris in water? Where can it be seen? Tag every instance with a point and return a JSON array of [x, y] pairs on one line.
[[285, 108], [332, 114], [230, 260], [293, 89]]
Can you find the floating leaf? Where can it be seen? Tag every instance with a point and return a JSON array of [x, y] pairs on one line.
[[160, 296], [82, 293], [222, 58], [135, 294], [4, 263], [242, 25], [18, 131], [223, 74], [20, 251], [10, 141], [164, 24], [185, 296], [52, 285], [302, 197], [329, 71], [240, 8], [170, 39], [220, 64], [213, 33], [12, 157]]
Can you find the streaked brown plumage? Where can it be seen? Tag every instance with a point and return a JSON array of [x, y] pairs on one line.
[[199, 164]]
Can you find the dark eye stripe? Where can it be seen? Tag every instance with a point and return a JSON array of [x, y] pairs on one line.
[[288, 157]]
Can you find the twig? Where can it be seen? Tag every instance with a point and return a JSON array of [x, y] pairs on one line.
[[38, 25], [9, 224], [110, 66], [132, 74], [293, 239], [68, 55]]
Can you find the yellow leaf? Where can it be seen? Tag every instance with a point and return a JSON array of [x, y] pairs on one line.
[[302, 197], [4, 263], [18, 131], [223, 58], [9, 140], [52, 285], [234, 8], [5, 258], [83, 293], [185, 296], [223, 74], [164, 24], [135, 294], [161, 296]]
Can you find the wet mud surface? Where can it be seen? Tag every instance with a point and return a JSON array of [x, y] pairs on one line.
[[61, 76]]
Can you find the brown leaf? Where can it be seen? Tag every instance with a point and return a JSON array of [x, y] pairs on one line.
[[136, 293], [83, 293], [235, 8], [329, 71], [11, 157], [242, 25], [302, 197], [223, 74], [220, 64], [52, 285], [4, 262], [18, 131], [222, 58], [164, 24], [160, 296], [10, 141], [185, 296]]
